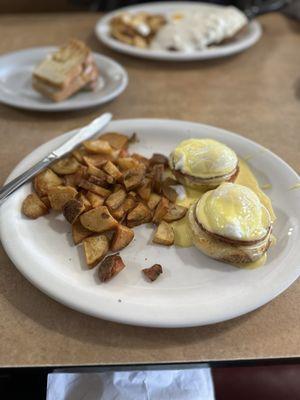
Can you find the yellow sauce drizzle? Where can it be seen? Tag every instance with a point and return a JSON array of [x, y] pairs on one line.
[[182, 230]]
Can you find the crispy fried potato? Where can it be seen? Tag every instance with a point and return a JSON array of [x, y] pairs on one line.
[[101, 191], [94, 171], [83, 199], [98, 220], [33, 207], [153, 272], [79, 154], [159, 159], [112, 170], [154, 199], [98, 181], [79, 232], [98, 146], [138, 215], [126, 163], [161, 210], [121, 238], [45, 200], [72, 209], [74, 179], [65, 166], [169, 192], [94, 199], [116, 140], [45, 180], [95, 249], [164, 234], [158, 171], [144, 191], [110, 267], [97, 160], [129, 203], [119, 213], [175, 213], [141, 159], [60, 195], [114, 200], [133, 177]]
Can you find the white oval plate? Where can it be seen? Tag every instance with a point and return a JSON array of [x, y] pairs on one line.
[[193, 289], [241, 43], [16, 90]]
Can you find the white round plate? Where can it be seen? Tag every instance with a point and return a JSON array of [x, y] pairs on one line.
[[246, 39], [16, 89], [193, 289]]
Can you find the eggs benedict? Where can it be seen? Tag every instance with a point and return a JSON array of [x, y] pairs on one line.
[[203, 163], [230, 224]]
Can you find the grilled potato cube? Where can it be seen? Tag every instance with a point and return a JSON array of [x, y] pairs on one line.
[[121, 238], [45, 180], [164, 234], [169, 192], [33, 207], [98, 160], [95, 249], [161, 210], [133, 177], [83, 199], [126, 163], [153, 272], [97, 146], [144, 191], [159, 159], [112, 170], [158, 171], [116, 199], [98, 220], [79, 232], [60, 195], [116, 140], [138, 215], [94, 199], [94, 171], [110, 267], [72, 209], [175, 213], [84, 184], [65, 166], [154, 199]]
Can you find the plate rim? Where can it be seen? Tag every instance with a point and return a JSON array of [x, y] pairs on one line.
[[216, 52], [264, 299], [64, 106]]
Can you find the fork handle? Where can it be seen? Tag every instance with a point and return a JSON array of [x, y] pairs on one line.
[[10, 187]]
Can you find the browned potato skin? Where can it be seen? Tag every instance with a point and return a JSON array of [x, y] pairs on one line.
[[98, 220], [153, 272], [175, 213], [112, 170], [126, 163], [116, 140], [94, 199], [84, 184], [95, 249], [60, 195], [79, 232], [65, 166], [132, 178], [98, 146], [164, 234], [115, 200], [161, 210], [45, 180], [72, 209], [138, 215], [110, 267], [121, 238], [33, 207]]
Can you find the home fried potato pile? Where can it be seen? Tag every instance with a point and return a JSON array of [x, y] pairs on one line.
[[136, 29], [104, 192]]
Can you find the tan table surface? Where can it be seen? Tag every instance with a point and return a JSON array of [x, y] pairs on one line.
[[255, 93]]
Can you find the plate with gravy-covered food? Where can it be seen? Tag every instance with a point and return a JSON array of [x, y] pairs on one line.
[[158, 223], [178, 31], [69, 77]]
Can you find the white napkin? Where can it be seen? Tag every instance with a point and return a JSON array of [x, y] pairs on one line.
[[188, 384]]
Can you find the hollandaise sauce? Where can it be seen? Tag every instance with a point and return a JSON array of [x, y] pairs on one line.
[[182, 230]]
